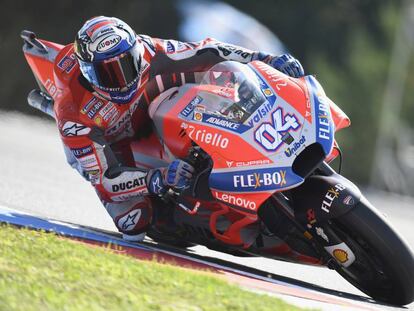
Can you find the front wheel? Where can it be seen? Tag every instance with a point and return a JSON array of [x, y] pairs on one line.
[[384, 264]]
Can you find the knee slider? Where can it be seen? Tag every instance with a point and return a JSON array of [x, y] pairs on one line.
[[136, 220]]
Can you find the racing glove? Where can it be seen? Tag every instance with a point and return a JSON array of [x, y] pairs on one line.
[[176, 176], [287, 64]]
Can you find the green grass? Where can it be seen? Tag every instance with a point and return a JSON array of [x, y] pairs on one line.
[[40, 271]]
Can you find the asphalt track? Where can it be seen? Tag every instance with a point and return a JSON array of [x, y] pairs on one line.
[[35, 179]]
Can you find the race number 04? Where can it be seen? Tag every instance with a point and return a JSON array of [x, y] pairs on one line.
[[269, 135]]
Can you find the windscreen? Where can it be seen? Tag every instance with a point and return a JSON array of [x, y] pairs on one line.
[[238, 89]]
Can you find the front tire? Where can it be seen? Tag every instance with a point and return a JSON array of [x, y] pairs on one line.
[[384, 265]]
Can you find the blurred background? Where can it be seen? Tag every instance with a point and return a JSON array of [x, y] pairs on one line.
[[360, 51]]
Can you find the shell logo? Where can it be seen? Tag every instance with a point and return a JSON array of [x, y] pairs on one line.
[[340, 255], [198, 116], [268, 92]]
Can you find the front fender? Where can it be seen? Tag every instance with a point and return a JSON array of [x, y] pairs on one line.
[[321, 198]]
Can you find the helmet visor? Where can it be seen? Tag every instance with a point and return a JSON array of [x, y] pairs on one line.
[[114, 74]]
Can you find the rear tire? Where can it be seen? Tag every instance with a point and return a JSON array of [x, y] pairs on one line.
[[384, 265]]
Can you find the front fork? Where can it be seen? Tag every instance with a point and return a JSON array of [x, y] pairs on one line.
[[312, 206]]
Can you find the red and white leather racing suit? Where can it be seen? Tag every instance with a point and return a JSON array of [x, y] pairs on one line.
[[78, 109]]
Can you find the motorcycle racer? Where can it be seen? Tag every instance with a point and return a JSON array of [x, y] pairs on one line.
[[110, 75]]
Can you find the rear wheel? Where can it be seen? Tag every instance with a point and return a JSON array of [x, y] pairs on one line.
[[384, 264]]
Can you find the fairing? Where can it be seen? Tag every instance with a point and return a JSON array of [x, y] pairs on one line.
[[253, 121]]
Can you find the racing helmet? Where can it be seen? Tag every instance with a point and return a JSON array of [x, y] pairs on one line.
[[110, 58]]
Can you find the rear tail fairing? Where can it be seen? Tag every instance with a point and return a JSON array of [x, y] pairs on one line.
[[41, 62]]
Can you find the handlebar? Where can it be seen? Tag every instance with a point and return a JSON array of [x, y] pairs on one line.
[[181, 202]]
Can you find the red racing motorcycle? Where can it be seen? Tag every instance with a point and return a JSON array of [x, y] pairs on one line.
[[260, 142]]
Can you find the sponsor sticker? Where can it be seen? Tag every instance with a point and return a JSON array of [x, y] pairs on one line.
[[340, 255], [126, 196], [267, 106], [52, 88], [295, 147], [94, 109], [148, 41], [224, 123], [104, 31], [310, 215], [225, 92], [324, 127], [93, 176], [114, 119], [108, 43], [170, 47], [88, 105], [207, 137], [122, 123], [349, 200], [260, 113], [82, 151], [129, 221], [128, 185], [247, 163], [198, 116], [258, 180], [235, 200], [106, 109], [331, 195], [111, 113], [74, 129], [268, 92], [278, 81], [254, 179], [321, 233], [182, 46], [88, 162], [67, 63], [228, 49], [191, 105], [98, 120]]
